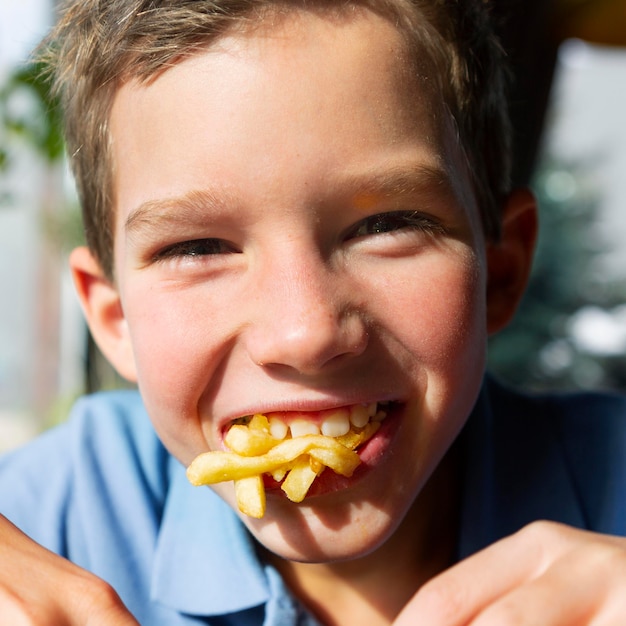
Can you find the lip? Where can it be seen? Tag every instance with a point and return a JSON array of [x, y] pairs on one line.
[[371, 453]]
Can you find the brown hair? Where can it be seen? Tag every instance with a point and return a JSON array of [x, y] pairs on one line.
[[96, 45]]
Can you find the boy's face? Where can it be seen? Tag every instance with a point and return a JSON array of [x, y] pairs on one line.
[[295, 232]]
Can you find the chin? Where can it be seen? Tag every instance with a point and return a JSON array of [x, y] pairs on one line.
[[348, 518], [339, 525], [318, 534]]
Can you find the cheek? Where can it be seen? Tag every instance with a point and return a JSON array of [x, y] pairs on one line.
[[175, 354], [441, 342], [441, 315]]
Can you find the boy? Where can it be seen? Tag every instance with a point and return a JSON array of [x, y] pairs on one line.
[[298, 209]]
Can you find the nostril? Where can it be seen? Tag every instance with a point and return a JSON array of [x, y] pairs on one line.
[[306, 345]]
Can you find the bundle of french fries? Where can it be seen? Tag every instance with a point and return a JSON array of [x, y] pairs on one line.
[[294, 462]]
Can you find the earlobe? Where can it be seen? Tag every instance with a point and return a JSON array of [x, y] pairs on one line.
[[103, 309], [509, 260]]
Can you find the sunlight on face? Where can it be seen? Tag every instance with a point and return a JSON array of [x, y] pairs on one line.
[[295, 233]]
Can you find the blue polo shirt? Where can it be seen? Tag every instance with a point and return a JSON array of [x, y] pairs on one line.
[[102, 491]]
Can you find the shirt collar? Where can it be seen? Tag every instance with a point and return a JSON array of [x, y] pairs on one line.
[[205, 560], [515, 472]]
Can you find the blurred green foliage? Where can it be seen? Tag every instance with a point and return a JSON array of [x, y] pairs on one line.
[[30, 117], [28, 111]]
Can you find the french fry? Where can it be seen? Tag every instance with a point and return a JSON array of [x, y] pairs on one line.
[[281, 472], [299, 479], [356, 436], [251, 440], [293, 462], [250, 494], [215, 467], [316, 466]]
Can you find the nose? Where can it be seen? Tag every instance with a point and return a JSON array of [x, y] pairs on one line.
[[306, 319]]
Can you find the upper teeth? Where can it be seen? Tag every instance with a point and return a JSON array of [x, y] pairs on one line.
[[300, 427], [360, 414], [335, 424], [278, 428]]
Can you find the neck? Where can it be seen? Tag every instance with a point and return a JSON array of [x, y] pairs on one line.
[[373, 589]]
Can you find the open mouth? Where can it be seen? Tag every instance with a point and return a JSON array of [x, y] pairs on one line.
[[290, 451], [330, 423], [347, 425]]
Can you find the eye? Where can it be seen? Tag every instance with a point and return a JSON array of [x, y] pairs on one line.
[[195, 248], [393, 221]]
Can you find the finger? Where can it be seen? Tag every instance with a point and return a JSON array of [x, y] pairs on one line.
[[13, 610], [101, 606], [114, 616], [458, 595], [566, 594], [584, 587]]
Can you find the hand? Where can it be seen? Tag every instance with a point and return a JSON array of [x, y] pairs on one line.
[[37, 587], [547, 574]]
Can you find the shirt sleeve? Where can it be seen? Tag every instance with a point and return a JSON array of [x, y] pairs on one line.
[[99, 479], [36, 486], [93, 490]]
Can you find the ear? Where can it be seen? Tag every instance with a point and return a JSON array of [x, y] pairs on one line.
[[509, 260], [103, 309]]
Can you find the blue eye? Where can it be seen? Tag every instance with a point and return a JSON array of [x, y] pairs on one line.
[[394, 221]]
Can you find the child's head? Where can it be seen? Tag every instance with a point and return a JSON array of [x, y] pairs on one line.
[[298, 230], [97, 46]]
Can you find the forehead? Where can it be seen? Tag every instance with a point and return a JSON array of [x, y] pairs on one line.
[[299, 87]]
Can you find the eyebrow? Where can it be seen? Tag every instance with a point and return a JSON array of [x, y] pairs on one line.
[[187, 209], [196, 207], [402, 181]]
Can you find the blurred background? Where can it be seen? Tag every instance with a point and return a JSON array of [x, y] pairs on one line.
[[569, 105]]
